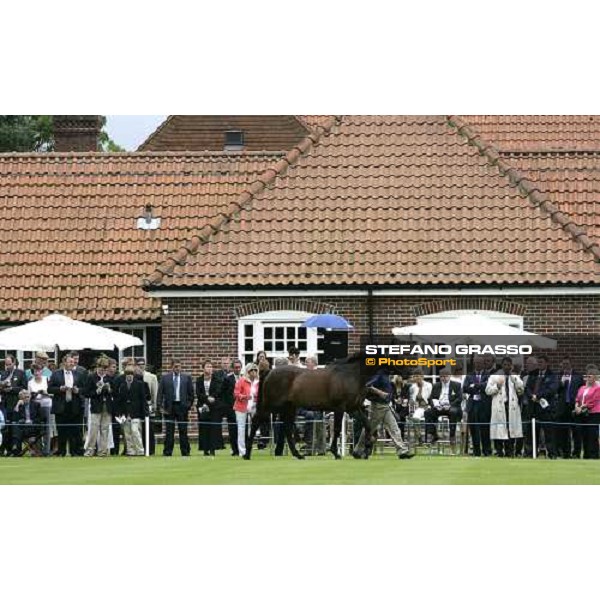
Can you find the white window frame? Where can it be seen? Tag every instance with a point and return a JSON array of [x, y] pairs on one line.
[[276, 318]]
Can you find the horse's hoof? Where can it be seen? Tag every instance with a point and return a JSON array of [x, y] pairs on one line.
[[299, 456], [337, 457], [246, 457]]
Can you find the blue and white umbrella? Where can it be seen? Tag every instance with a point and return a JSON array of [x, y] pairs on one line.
[[328, 321]]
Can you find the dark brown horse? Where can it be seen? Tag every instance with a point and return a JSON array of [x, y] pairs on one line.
[[338, 388]]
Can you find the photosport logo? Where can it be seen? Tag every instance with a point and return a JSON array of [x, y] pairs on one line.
[[439, 352]]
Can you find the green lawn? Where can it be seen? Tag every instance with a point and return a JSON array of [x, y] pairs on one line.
[[265, 469]]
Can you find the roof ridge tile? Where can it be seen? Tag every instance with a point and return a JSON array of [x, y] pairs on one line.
[[265, 180], [532, 193]]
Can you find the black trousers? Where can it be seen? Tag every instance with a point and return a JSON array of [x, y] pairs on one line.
[[151, 436], [454, 414], [69, 433], [209, 424], [577, 432], [228, 413], [563, 430], [591, 448], [178, 418], [23, 432], [10, 417], [480, 415], [544, 422]]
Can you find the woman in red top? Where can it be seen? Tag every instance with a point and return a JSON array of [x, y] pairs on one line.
[[587, 407], [245, 395]]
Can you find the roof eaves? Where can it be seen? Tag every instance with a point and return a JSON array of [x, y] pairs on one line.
[[266, 179], [525, 186]]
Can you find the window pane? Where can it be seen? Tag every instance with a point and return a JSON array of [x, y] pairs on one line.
[[302, 346], [248, 330], [268, 333], [268, 346], [279, 333], [301, 333], [279, 347], [248, 358], [249, 345], [291, 333]]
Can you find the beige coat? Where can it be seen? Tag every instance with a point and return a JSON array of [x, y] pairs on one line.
[[499, 428]]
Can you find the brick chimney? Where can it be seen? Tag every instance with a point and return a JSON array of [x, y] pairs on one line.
[[76, 133]]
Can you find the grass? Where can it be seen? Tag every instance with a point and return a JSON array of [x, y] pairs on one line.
[[265, 469]]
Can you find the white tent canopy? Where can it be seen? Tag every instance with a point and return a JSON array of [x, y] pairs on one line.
[[68, 334], [466, 327]]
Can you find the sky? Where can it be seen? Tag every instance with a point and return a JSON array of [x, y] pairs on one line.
[[129, 131]]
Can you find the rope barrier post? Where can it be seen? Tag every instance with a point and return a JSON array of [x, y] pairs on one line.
[[533, 437], [343, 452], [147, 436]]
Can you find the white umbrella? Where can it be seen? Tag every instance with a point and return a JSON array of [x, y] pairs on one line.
[[67, 334], [467, 327]]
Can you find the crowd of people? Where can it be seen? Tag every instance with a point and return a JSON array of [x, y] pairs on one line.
[[48, 411], [68, 410], [501, 402]]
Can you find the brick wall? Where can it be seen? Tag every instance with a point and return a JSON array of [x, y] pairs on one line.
[[200, 328]]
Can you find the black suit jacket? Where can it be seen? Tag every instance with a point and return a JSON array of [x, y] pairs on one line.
[[563, 388], [59, 399], [227, 387], [454, 393], [97, 400], [471, 387], [133, 401], [166, 393], [214, 390], [18, 382], [546, 388]]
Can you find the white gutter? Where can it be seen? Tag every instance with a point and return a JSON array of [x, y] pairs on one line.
[[498, 291]]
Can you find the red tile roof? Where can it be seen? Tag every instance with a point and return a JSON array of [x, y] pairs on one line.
[[70, 241], [378, 200], [531, 133], [571, 180], [207, 132], [559, 154]]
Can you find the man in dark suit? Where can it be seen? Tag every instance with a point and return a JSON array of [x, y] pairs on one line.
[[65, 388], [82, 373], [12, 381], [540, 399], [479, 407], [568, 385], [208, 392], [226, 405], [27, 425], [176, 398], [445, 400], [132, 400], [100, 390]]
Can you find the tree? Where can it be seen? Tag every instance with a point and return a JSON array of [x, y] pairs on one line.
[[26, 133], [106, 143], [34, 133]]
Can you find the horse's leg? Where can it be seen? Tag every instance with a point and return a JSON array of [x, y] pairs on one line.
[[338, 417], [368, 436], [288, 416], [256, 420], [361, 415]]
